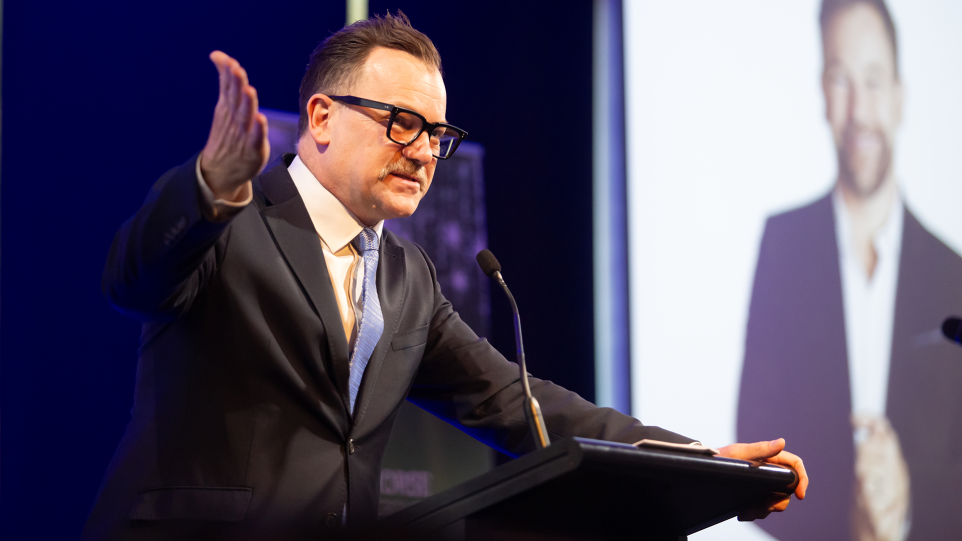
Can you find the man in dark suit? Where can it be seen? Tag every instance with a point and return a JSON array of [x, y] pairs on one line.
[[849, 293], [283, 327]]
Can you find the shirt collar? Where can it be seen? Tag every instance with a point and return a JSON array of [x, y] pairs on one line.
[[887, 240], [335, 224]]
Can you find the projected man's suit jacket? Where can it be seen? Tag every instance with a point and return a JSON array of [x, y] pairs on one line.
[[240, 426], [795, 379]]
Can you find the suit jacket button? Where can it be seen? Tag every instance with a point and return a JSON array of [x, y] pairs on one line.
[[350, 446], [330, 520]]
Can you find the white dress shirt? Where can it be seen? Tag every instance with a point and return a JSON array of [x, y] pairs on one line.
[[336, 227], [869, 304]]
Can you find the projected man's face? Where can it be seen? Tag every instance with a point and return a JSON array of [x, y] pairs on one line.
[[863, 97]]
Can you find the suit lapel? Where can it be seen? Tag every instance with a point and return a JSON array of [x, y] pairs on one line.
[[391, 288], [823, 378], [831, 307], [833, 364], [290, 225], [921, 358]]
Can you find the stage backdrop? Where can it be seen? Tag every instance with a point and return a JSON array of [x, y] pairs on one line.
[[726, 127]]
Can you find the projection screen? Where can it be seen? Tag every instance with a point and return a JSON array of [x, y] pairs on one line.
[[729, 137]]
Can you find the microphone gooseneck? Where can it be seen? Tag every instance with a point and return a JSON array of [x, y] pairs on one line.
[[532, 410]]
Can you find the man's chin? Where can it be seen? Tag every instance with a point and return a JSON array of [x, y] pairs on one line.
[[400, 207], [864, 176], [865, 186]]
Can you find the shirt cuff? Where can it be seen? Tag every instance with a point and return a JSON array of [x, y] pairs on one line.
[[218, 210]]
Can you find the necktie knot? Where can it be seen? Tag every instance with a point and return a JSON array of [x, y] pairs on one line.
[[366, 240]]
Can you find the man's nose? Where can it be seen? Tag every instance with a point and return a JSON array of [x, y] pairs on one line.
[[860, 108], [419, 150]]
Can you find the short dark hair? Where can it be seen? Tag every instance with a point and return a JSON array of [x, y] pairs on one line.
[[335, 63], [831, 8]]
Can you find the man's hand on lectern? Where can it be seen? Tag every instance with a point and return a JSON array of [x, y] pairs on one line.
[[772, 452], [237, 148]]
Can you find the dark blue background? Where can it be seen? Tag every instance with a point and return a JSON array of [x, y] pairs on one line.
[[100, 98]]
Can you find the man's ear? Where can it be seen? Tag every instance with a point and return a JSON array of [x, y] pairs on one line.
[[319, 118]]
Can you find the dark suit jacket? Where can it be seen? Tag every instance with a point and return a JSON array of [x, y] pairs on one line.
[[795, 380], [240, 425]]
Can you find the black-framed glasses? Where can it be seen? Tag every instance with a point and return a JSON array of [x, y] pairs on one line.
[[405, 126]]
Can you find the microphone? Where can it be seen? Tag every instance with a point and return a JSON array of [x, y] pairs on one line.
[[532, 410], [952, 329]]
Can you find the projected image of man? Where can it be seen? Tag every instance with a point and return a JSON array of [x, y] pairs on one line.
[[846, 294]]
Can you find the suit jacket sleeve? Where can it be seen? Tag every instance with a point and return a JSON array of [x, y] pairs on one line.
[[464, 380], [163, 256]]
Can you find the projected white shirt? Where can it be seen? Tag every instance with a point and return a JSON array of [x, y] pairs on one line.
[[869, 304]]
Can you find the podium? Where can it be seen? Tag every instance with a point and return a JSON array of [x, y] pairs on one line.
[[581, 489]]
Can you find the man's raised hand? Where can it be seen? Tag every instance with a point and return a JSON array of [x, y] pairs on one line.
[[772, 452], [237, 148]]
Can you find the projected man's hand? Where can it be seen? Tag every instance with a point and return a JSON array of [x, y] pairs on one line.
[[882, 484]]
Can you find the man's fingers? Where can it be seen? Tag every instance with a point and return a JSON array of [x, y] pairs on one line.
[[239, 87], [802, 487], [253, 105], [240, 97], [781, 504], [767, 449], [237, 147], [770, 451], [219, 58], [231, 93], [221, 61], [773, 503], [775, 447], [793, 461], [246, 110], [753, 451], [241, 73], [236, 82], [258, 135]]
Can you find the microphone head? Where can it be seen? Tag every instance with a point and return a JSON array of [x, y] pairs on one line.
[[489, 264], [952, 329]]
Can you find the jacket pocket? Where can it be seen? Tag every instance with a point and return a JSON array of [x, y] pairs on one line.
[[226, 504], [409, 339]]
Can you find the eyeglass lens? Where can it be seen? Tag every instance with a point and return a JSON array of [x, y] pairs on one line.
[[406, 127]]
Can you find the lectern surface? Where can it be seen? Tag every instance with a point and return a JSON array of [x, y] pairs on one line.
[[589, 489]]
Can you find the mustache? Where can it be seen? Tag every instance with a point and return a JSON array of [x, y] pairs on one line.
[[407, 168]]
